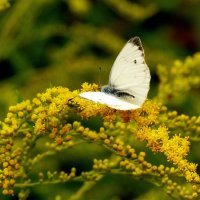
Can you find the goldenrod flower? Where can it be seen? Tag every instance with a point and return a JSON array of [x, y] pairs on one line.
[[47, 116]]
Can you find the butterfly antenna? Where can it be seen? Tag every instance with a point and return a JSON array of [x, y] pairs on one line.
[[99, 77]]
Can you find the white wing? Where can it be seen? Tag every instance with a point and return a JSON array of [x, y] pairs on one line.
[[110, 100], [130, 73]]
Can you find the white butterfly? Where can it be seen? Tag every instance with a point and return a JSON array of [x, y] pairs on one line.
[[128, 82]]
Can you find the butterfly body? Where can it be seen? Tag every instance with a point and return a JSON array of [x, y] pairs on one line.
[[128, 82], [112, 91]]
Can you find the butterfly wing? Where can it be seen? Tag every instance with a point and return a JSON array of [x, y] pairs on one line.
[[130, 73], [109, 100]]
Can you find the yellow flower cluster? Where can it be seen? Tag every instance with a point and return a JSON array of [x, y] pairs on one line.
[[144, 116], [30, 119], [179, 78], [188, 126], [47, 115], [176, 148]]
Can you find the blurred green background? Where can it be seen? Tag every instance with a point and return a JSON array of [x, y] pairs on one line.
[[49, 43], [46, 43]]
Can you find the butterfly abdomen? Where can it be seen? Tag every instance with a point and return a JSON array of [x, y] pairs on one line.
[[110, 90], [124, 94]]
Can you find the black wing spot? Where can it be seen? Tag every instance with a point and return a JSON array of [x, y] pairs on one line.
[[135, 61], [136, 41]]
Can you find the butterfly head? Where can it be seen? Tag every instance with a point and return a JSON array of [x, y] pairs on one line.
[[107, 89]]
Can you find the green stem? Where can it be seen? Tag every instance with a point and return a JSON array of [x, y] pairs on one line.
[[24, 185]]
